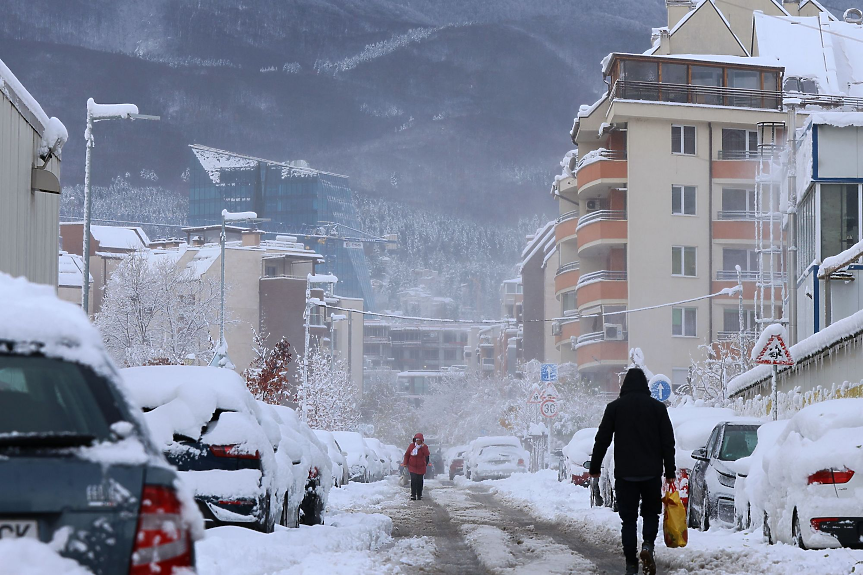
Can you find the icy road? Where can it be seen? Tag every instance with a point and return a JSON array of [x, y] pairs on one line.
[[528, 523]]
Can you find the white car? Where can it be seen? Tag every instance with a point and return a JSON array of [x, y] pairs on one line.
[[383, 458], [750, 473], [495, 458], [340, 471], [812, 491], [576, 453], [396, 458], [360, 458]]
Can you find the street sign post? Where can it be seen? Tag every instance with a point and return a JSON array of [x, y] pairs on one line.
[[770, 349], [660, 387], [548, 408], [535, 395], [548, 372]]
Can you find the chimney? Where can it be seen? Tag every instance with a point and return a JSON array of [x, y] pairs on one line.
[[251, 238], [677, 9]]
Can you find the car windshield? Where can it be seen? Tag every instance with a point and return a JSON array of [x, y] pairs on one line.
[[738, 442], [498, 451], [43, 397]]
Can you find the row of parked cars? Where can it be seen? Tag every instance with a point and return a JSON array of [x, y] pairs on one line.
[[125, 468], [800, 480], [494, 457]]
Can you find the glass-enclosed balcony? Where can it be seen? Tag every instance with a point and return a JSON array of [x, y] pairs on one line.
[[681, 81]]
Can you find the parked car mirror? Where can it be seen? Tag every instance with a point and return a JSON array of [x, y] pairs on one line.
[[700, 454], [297, 462], [586, 464]]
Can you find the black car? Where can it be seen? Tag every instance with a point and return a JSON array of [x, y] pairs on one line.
[[75, 458]]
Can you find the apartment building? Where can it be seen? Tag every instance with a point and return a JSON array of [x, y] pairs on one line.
[[539, 305], [672, 188]]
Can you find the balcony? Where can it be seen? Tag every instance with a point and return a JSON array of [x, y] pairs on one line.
[[601, 228], [601, 170], [604, 285], [696, 94], [566, 226], [733, 335], [566, 330], [778, 278], [566, 277], [596, 351]]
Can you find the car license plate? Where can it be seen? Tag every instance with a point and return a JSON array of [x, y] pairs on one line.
[[18, 528]]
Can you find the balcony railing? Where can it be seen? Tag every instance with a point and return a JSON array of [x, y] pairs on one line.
[[751, 276], [739, 154], [695, 94], [573, 215], [733, 335], [601, 216], [601, 276], [600, 154], [599, 336], [571, 266], [750, 215]]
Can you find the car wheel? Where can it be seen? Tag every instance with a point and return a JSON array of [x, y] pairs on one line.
[[766, 529], [452, 476], [283, 521], [705, 513], [796, 533]]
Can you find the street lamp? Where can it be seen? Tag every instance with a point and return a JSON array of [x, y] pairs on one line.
[[220, 358], [98, 113]]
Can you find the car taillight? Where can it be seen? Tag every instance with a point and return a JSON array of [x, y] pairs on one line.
[[313, 472], [830, 476], [232, 451], [163, 541], [521, 461], [817, 521]]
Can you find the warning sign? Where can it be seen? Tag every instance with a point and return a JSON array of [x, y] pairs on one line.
[[774, 351], [535, 395]]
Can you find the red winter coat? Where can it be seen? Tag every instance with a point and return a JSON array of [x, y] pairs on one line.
[[417, 463]]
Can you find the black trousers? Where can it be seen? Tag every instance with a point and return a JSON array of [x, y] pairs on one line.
[[628, 494], [416, 484]]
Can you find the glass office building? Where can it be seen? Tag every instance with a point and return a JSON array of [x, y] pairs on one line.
[[298, 201]]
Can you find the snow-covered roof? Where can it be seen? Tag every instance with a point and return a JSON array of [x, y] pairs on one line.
[[542, 242], [843, 329], [71, 271], [203, 259], [214, 161], [52, 130], [120, 238], [837, 119]]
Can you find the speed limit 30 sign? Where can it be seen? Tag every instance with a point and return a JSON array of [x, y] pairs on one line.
[[548, 408]]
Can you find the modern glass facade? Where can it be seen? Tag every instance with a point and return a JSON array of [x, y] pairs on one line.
[[295, 199]]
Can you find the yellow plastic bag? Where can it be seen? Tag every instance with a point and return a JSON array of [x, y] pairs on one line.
[[674, 519]]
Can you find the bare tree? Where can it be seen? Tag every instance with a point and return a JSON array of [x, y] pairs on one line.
[[155, 312], [331, 394], [722, 362]]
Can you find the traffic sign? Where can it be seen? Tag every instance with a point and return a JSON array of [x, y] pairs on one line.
[[535, 395], [548, 408], [550, 392], [548, 372], [774, 351], [660, 387]]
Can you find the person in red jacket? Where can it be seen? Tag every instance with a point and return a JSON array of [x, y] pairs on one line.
[[416, 459]]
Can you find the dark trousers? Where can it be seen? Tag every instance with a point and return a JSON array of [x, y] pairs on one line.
[[416, 484], [628, 494]]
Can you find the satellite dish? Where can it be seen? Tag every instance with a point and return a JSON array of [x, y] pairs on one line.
[[853, 16]]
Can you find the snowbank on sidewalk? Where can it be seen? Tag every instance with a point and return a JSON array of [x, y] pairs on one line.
[[31, 557]]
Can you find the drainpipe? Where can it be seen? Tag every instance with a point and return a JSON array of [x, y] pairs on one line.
[[710, 228], [791, 256]]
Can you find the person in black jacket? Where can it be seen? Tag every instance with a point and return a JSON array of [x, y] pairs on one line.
[[643, 445]]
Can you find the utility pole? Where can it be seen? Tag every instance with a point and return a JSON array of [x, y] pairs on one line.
[[98, 113]]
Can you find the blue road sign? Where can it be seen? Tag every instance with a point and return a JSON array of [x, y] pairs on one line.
[[660, 389], [548, 372]]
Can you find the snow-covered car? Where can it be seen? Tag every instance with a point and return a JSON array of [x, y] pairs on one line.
[[576, 453], [711, 483], [750, 473], [211, 429], [338, 460], [495, 458], [310, 465], [396, 457], [360, 459], [812, 490], [77, 464], [454, 460], [383, 458]]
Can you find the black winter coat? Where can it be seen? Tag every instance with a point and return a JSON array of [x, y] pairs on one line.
[[642, 432]]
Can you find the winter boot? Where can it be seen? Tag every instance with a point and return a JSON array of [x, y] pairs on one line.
[[631, 568], [647, 560]]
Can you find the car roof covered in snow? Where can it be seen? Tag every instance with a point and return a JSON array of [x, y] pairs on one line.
[[481, 442]]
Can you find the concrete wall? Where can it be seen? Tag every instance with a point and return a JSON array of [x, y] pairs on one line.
[[29, 220], [283, 301], [533, 308]]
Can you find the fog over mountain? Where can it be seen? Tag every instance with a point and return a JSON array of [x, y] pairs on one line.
[[447, 104]]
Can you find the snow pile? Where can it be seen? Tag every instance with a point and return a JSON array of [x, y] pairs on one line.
[[841, 260], [110, 111], [27, 556], [579, 450], [54, 133], [826, 435]]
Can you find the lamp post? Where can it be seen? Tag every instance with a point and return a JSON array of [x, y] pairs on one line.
[[98, 113], [220, 358]]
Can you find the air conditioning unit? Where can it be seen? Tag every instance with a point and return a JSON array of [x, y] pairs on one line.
[[555, 328], [613, 332], [593, 205]]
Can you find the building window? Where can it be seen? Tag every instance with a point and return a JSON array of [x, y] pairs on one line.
[[679, 376], [731, 320], [738, 203], [746, 259], [683, 321], [683, 140], [683, 261], [568, 303], [737, 144], [449, 354], [683, 200], [271, 271], [839, 226]]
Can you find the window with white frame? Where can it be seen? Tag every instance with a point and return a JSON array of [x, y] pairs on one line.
[[683, 321], [738, 143], [568, 303], [683, 140], [683, 200], [683, 261]]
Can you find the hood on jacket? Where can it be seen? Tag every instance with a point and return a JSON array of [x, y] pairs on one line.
[[419, 436], [634, 382]]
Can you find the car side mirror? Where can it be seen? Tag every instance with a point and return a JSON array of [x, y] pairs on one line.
[[344, 453], [700, 454], [297, 462], [586, 464]]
